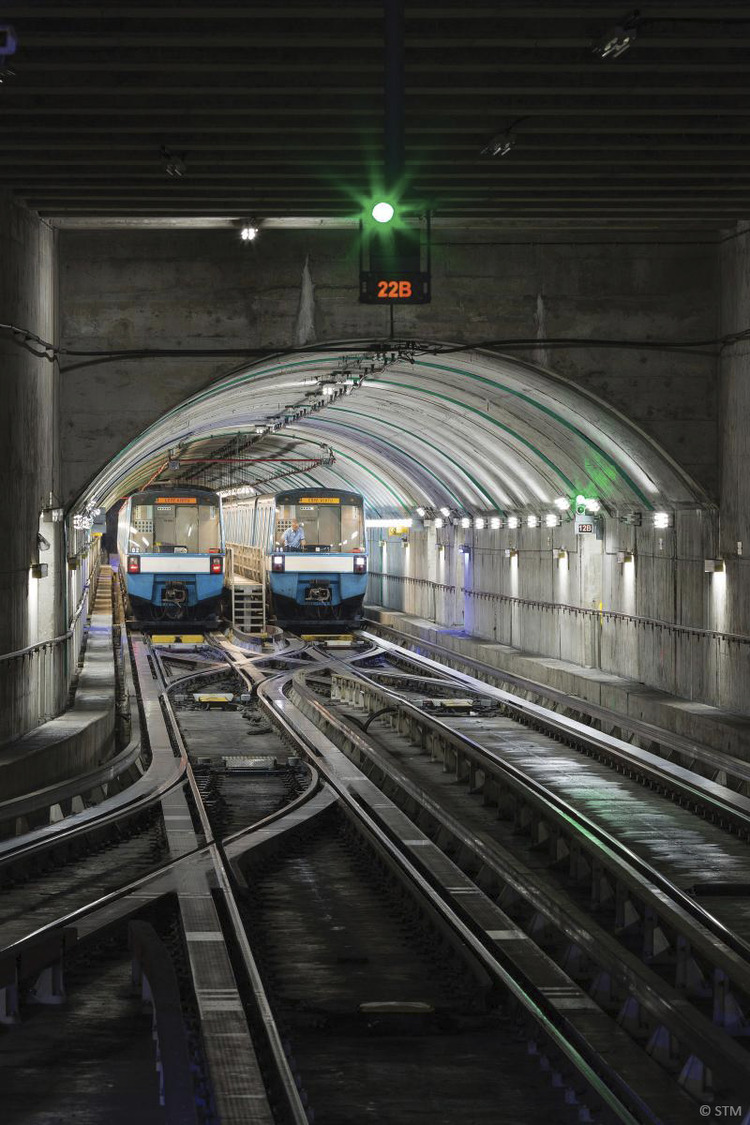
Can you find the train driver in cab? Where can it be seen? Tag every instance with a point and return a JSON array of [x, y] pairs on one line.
[[293, 538]]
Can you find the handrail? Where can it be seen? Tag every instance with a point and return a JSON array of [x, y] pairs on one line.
[[538, 603], [51, 641]]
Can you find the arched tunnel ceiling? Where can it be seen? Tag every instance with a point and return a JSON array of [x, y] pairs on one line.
[[406, 425]]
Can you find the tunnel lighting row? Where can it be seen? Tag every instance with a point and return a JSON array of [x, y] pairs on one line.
[[445, 516]]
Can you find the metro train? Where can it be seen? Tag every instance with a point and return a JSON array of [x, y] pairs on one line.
[[170, 543], [320, 585]]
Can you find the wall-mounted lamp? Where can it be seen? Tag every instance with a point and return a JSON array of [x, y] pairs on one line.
[[511, 553], [663, 519], [39, 570], [713, 566], [440, 546], [588, 504], [624, 557], [464, 549], [73, 562], [561, 555]]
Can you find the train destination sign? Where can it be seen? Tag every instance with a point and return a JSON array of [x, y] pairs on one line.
[[176, 500], [319, 500]]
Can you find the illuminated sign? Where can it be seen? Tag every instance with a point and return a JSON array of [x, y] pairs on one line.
[[320, 500], [176, 500], [405, 288]]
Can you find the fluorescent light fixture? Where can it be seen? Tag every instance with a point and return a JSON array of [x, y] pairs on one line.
[[421, 512], [480, 523], [589, 503], [562, 503], [663, 519], [439, 522], [618, 39], [552, 520], [713, 566], [496, 523], [465, 521], [532, 521], [445, 512], [513, 522], [500, 145]]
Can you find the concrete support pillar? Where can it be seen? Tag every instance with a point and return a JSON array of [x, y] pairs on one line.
[[729, 592], [30, 611]]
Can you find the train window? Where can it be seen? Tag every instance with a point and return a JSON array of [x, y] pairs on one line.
[[352, 528], [185, 529], [141, 535], [339, 527]]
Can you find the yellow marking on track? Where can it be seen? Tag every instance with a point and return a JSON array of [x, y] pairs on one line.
[[177, 638], [321, 638]]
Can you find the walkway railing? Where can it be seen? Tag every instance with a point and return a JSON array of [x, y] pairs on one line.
[[563, 607], [35, 680]]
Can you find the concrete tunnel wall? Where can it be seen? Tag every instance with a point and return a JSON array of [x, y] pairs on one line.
[[181, 289], [203, 288], [660, 619], [31, 610]]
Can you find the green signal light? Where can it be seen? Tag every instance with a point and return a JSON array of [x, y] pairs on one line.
[[383, 212]]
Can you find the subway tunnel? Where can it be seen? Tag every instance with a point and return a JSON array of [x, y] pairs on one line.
[[374, 610]]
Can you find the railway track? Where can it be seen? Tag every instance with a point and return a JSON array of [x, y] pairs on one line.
[[359, 907], [669, 971]]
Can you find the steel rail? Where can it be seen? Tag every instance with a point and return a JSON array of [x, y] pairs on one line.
[[657, 735], [723, 802], [222, 870], [583, 825], [269, 694]]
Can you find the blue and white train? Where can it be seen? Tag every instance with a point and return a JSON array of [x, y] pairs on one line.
[[320, 585], [170, 543]]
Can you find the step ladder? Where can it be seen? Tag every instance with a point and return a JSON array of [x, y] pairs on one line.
[[248, 606]]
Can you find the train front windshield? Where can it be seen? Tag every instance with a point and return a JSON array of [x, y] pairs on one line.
[[185, 526], [333, 526]]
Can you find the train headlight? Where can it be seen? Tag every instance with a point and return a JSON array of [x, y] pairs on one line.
[[277, 563], [217, 564], [360, 564], [134, 564]]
